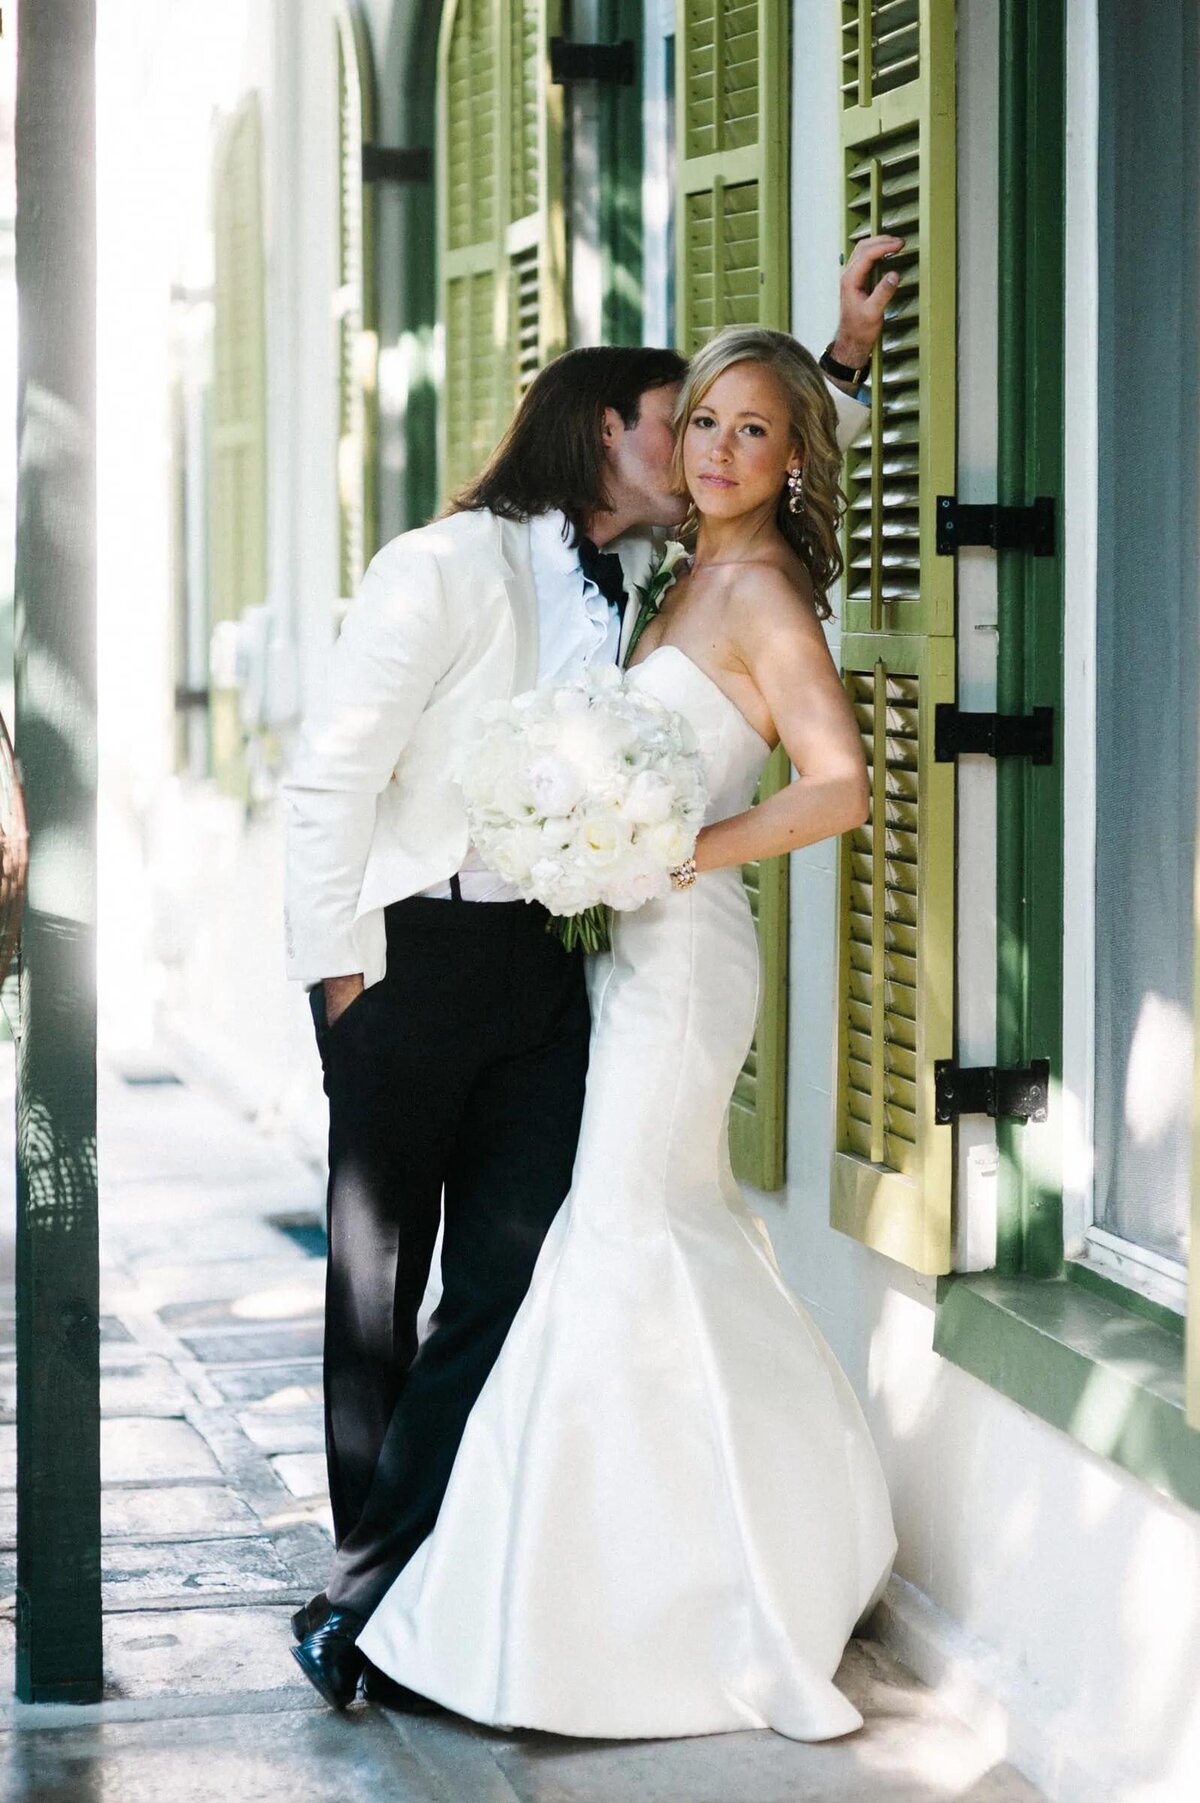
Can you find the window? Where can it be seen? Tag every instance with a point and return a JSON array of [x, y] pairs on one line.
[[1135, 588]]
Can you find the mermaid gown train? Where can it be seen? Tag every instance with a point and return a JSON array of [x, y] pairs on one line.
[[666, 1515]]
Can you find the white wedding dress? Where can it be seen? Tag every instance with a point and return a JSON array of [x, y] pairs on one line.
[[666, 1515]]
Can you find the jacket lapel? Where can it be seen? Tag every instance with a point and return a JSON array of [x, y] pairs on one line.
[[517, 572]]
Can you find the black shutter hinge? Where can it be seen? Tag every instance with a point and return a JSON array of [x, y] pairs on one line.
[[1031, 528], [1019, 1094], [383, 163], [995, 735], [612, 63]]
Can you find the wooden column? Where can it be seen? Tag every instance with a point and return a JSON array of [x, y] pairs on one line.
[[59, 1655]]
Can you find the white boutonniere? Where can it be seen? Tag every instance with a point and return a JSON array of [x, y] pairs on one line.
[[650, 593]]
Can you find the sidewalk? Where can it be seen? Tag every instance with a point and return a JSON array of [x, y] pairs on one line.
[[215, 1527]]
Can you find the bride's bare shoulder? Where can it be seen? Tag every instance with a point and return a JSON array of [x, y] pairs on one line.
[[774, 600]]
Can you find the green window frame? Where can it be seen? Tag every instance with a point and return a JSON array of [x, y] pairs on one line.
[[1105, 1365]]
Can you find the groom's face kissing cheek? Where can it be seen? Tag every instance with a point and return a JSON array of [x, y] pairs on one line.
[[638, 459]]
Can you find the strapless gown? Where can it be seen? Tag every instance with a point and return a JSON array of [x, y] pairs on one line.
[[666, 1515]]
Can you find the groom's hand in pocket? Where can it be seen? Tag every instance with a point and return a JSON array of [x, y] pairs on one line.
[[339, 993]]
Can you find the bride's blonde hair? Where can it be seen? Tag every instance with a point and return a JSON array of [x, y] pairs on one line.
[[813, 531]]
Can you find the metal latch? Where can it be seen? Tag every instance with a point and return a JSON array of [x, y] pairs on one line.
[[995, 735], [1019, 1094], [1029, 528], [384, 163], [612, 63]]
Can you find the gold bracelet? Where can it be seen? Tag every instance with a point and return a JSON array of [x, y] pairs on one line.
[[683, 875]]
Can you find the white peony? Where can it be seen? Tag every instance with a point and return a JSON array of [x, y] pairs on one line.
[[555, 783], [669, 843], [649, 798], [603, 838]]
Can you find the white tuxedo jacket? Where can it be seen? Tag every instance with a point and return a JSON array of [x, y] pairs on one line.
[[445, 621]]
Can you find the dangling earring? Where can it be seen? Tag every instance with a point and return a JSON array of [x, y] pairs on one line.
[[795, 483]]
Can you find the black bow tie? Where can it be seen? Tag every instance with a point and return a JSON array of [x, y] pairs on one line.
[[604, 569]]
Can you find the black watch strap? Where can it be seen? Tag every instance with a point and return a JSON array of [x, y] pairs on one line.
[[843, 372]]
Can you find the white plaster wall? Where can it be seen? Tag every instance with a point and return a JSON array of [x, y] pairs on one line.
[[191, 955], [1056, 1597], [228, 1009]]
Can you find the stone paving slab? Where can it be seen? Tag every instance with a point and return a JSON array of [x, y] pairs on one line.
[[172, 1511], [237, 1347], [279, 1431], [137, 1449], [197, 1652], [178, 1511], [302, 1299], [134, 1571], [271, 1386], [908, 1749], [303, 1472], [310, 1757], [150, 1386]]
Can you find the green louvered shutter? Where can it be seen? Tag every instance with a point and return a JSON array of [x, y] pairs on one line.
[[355, 304], [500, 218], [470, 132], [238, 443], [732, 236], [534, 240], [892, 1163]]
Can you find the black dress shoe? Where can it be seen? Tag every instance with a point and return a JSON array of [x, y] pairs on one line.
[[329, 1658], [379, 1688], [310, 1616]]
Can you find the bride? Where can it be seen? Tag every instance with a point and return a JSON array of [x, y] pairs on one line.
[[666, 1515]]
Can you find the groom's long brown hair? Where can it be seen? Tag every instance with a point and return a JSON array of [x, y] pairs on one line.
[[552, 454]]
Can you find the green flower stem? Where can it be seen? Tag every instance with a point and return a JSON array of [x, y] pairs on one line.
[[592, 929], [646, 613]]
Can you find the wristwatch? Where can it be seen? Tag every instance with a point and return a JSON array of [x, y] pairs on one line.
[[843, 372]]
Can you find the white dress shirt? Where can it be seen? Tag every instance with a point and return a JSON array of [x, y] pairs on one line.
[[577, 626]]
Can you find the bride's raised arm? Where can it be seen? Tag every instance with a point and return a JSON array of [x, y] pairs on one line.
[[782, 647]]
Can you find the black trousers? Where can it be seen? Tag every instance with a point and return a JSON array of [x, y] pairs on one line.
[[456, 1082]]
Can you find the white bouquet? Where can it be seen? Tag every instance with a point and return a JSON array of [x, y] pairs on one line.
[[584, 797]]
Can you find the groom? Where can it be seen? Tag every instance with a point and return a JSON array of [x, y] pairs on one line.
[[452, 1028]]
